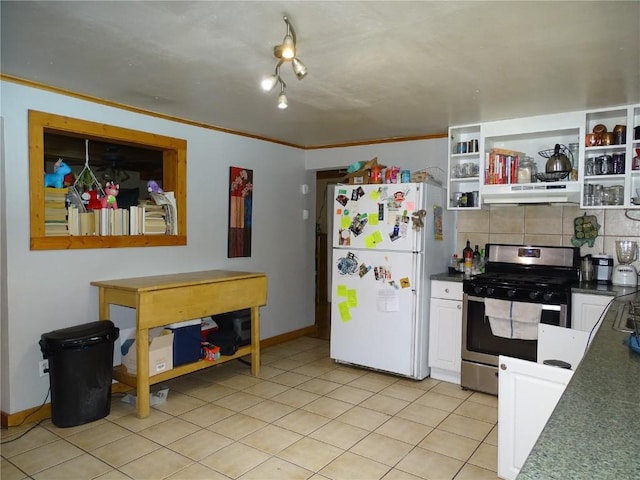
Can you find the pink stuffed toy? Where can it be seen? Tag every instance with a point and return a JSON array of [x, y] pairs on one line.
[[111, 190]]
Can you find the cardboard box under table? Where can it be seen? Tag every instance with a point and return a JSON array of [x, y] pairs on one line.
[[160, 350]]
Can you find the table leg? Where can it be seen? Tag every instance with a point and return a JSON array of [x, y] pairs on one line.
[[255, 341], [103, 306], [142, 373]]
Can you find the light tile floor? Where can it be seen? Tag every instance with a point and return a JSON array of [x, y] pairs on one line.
[[306, 417]]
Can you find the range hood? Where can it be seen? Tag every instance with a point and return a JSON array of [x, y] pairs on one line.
[[543, 192]]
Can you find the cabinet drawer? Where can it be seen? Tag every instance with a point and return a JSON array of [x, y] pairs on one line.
[[448, 290]]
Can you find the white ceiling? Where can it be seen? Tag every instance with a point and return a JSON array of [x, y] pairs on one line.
[[377, 70]]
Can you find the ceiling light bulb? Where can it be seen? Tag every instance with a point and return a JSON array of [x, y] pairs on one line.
[[269, 82], [282, 100], [288, 48], [299, 68]]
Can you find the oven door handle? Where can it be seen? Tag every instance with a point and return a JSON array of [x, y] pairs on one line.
[[556, 308], [551, 307]]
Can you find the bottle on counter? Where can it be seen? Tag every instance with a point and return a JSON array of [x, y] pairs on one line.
[[467, 255], [453, 264], [467, 249], [476, 259]]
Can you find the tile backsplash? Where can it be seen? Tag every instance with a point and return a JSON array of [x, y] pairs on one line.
[[544, 225]]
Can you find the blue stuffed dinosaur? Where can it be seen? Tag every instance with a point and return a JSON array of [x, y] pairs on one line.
[[56, 179]]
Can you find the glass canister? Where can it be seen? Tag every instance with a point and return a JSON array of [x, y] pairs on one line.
[[618, 162], [526, 170], [574, 148], [604, 165]]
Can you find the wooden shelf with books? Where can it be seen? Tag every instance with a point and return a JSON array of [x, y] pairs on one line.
[[55, 227]]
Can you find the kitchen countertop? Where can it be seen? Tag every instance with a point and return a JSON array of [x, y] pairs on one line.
[[448, 277], [582, 287], [594, 431]]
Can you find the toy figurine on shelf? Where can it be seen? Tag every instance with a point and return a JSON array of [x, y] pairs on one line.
[[91, 200], [111, 190], [152, 186], [56, 179]]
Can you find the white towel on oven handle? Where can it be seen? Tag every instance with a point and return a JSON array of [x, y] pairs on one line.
[[513, 319]]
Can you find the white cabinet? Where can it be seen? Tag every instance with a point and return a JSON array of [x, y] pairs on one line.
[[527, 394], [445, 330], [608, 177], [488, 175], [507, 143], [587, 309], [464, 167]]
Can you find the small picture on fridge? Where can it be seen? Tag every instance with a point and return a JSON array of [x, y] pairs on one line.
[[437, 222], [342, 200], [344, 237]]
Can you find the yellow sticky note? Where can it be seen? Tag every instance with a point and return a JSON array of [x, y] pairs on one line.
[[377, 236], [345, 222], [352, 297], [343, 308], [342, 290], [373, 218], [369, 241], [375, 195]]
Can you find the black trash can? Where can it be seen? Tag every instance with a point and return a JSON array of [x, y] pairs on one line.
[[80, 371]]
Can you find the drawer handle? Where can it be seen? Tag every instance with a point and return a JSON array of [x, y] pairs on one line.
[[459, 307], [446, 290]]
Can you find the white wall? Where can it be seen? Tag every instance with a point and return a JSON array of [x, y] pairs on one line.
[[411, 155], [48, 290]]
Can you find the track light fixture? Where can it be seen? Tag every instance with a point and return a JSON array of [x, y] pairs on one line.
[[285, 52]]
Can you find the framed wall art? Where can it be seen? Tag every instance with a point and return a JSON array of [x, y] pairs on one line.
[[240, 203]]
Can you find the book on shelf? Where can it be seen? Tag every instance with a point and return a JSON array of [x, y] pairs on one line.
[[87, 223], [168, 201], [73, 220], [502, 166], [55, 212]]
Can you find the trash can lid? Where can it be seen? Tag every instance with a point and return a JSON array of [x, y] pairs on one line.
[[87, 333]]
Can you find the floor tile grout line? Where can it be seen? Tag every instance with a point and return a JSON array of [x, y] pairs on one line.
[[232, 373]]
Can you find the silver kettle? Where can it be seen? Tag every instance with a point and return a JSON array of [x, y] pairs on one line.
[[558, 162]]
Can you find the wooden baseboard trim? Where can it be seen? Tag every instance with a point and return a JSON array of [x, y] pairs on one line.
[[36, 414], [30, 415], [285, 337]]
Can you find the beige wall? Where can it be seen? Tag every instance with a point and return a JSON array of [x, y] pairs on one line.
[[544, 225]]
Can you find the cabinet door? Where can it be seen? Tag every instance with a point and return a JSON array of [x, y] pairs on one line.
[[445, 334], [586, 310], [527, 394]]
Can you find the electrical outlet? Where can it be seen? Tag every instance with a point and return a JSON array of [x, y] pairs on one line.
[[43, 367]]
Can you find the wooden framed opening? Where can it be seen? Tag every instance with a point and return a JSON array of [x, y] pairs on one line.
[[46, 129]]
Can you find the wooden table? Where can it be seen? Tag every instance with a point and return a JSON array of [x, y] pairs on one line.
[[164, 299]]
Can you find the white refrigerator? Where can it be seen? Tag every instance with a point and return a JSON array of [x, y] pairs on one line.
[[387, 241]]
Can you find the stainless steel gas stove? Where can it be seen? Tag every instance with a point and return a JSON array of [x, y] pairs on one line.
[[516, 275]]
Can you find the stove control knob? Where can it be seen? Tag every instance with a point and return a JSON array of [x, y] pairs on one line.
[[477, 290], [548, 296], [533, 295], [490, 290], [511, 293]]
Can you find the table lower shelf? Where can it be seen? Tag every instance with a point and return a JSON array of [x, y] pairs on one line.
[[121, 375]]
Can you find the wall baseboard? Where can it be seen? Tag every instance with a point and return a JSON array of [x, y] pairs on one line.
[[43, 412]]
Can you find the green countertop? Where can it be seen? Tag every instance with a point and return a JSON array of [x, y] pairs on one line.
[[594, 431]]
